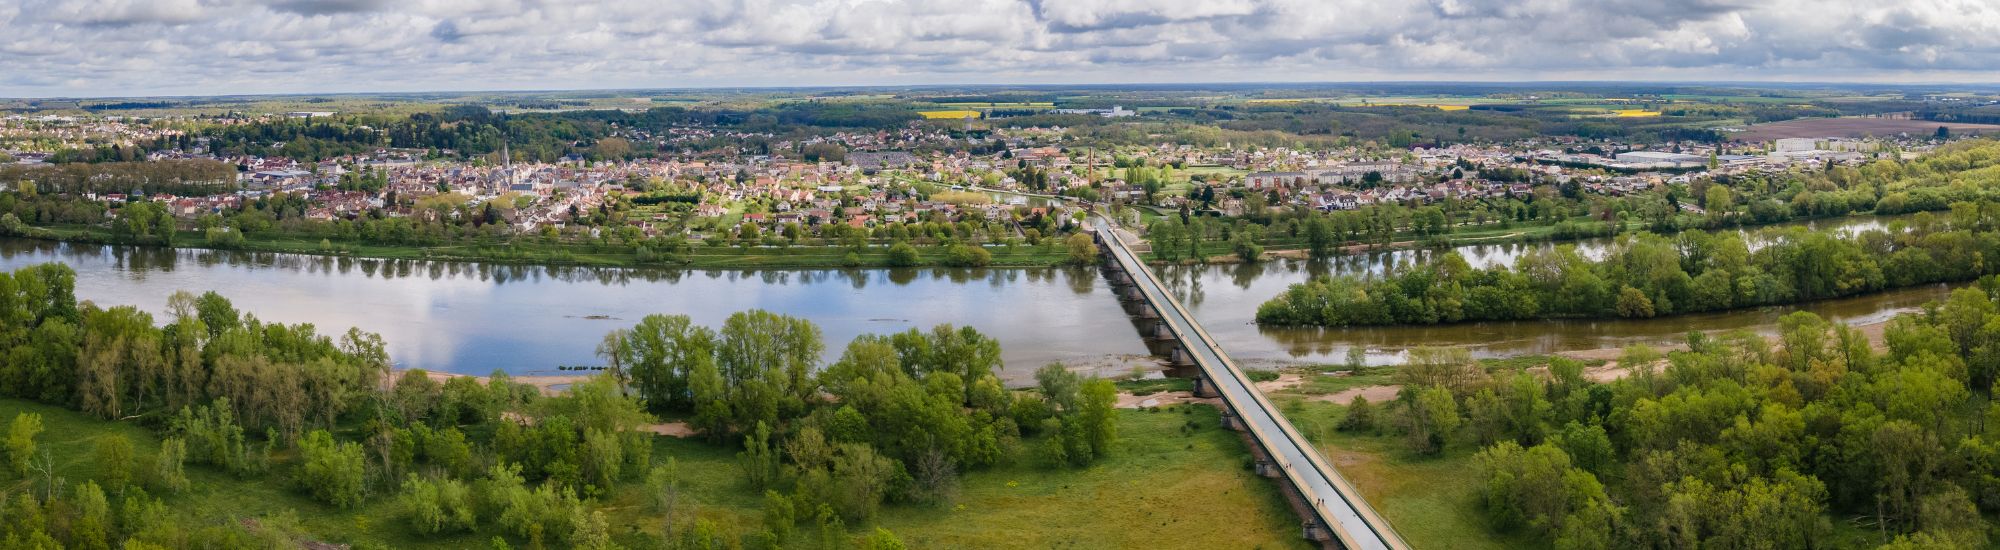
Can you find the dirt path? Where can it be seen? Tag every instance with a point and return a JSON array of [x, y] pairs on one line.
[[670, 429], [1286, 380], [1162, 399], [1375, 394]]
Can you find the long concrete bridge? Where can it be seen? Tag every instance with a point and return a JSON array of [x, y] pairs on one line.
[[1334, 513]]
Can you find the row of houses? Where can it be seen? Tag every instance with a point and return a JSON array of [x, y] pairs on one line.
[[1344, 174]]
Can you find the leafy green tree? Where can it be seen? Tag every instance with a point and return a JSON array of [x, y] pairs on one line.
[[1534, 488], [963, 255], [603, 460], [1167, 238], [1082, 250], [1244, 244], [170, 465], [21, 435], [438, 506], [882, 539], [115, 461], [1634, 303], [711, 409], [862, 478], [1588, 447], [1320, 238], [92, 526], [590, 530], [1430, 417], [1098, 415], [902, 254], [663, 487], [779, 517], [1360, 416], [1061, 387], [332, 472], [758, 460]]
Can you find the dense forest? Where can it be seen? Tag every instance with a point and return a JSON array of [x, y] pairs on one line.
[[1818, 441], [895, 420], [467, 131]]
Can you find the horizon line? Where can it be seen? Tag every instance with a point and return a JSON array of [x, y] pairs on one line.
[[1043, 85]]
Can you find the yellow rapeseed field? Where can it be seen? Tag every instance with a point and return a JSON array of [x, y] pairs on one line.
[[949, 114], [1431, 105]]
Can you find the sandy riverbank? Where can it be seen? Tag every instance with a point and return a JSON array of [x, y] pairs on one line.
[[1606, 372]]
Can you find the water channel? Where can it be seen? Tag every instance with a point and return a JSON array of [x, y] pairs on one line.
[[476, 318]]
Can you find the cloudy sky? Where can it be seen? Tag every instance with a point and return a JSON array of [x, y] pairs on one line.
[[188, 47]]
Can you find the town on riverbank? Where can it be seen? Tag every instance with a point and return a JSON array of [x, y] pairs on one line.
[[1003, 186]]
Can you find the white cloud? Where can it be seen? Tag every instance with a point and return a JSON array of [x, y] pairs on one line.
[[143, 47]]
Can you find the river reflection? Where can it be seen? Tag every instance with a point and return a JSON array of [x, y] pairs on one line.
[[1225, 299], [476, 318]]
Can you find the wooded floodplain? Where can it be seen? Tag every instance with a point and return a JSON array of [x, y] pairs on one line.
[[895, 421]]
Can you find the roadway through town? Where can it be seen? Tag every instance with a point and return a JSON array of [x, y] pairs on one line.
[[1334, 502]]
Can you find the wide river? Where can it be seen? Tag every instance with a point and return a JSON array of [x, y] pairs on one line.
[[476, 318]]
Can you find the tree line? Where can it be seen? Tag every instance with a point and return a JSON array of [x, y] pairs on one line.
[[894, 421], [1647, 275]]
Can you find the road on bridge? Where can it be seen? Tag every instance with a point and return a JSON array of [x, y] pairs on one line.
[[1353, 522]]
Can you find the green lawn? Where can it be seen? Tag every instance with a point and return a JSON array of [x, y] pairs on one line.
[[1164, 488], [1177, 480]]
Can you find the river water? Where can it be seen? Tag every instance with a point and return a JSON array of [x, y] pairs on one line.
[[476, 318]]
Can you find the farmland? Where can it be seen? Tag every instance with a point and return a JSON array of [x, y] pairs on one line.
[[958, 114]]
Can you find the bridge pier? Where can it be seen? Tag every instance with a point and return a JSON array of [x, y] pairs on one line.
[[1235, 423], [1317, 532], [1309, 487], [1204, 389]]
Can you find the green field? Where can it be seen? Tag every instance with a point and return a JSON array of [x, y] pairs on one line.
[[1176, 480], [1431, 501]]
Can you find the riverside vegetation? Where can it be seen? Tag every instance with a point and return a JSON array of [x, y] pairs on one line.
[[224, 398], [1811, 440], [1648, 275]]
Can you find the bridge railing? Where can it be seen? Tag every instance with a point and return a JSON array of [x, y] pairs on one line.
[[1380, 529]]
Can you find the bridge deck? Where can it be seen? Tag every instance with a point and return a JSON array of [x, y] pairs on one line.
[[1353, 523]]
